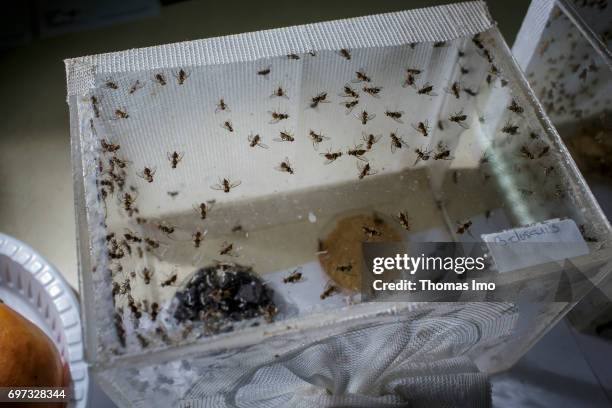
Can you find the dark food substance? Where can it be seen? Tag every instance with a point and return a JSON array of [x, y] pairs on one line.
[[222, 293]]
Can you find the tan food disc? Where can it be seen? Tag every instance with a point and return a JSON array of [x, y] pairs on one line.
[[342, 258]]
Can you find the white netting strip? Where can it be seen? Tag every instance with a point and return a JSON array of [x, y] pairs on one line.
[[420, 362], [421, 25]]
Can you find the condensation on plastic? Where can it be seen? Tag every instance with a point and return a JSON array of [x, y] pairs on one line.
[[34, 288], [488, 181], [564, 48]]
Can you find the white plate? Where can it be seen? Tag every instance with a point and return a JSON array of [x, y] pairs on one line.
[[35, 289]]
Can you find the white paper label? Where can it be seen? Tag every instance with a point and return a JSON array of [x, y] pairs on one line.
[[553, 240]]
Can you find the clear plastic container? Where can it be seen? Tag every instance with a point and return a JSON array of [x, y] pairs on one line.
[[564, 49], [403, 113]]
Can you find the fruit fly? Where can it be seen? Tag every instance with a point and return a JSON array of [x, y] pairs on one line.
[[510, 129], [370, 232], [108, 147], [181, 76], [422, 128], [365, 170], [349, 92], [331, 156], [515, 107], [443, 152], [154, 310], [285, 166], [264, 72], [136, 86], [227, 125], [151, 243], [370, 140], [411, 74], [329, 290], [350, 105], [277, 116], [470, 91], [160, 79], [285, 137], [402, 218], [344, 53], [439, 44], [280, 93], [293, 56], [459, 118], [227, 248], [198, 237], [147, 173], [294, 276], [203, 208], [226, 185], [110, 84], [121, 114], [174, 158], [345, 268], [316, 138], [255, 140], [361, 76], [146, 275], [131, 237], [372, 90], [455, 90], [128, 201], [94, 106], [364, 117], [221, 106], [358, 151], [395, 115], [316, 100], [422, 155], [427, 89], [170, 281], [165, 228], [396, 142], [464, 227]]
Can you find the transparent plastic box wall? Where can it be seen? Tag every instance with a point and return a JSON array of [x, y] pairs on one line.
[[564, 49], [170, 177]]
